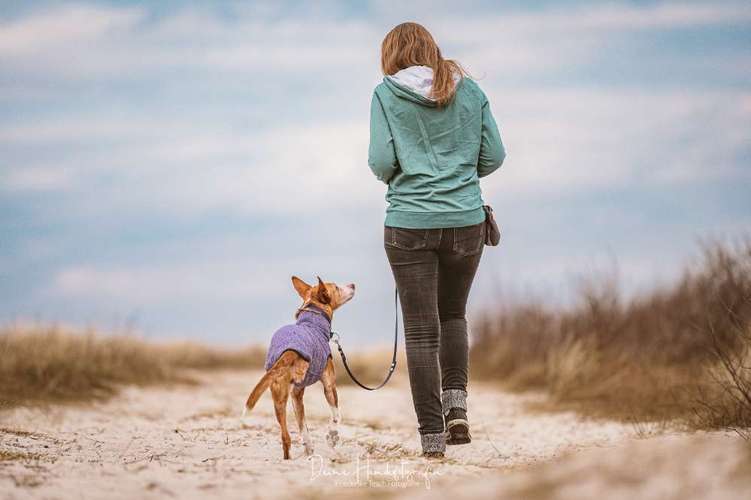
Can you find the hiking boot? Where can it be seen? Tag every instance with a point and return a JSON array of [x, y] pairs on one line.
[[454, 403], [457, 427]]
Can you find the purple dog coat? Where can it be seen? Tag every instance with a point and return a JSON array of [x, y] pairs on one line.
[[309, 337]]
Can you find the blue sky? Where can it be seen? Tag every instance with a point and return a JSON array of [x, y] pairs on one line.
[[169, 167]]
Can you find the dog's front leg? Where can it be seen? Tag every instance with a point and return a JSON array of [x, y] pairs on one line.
[[302, 425], [328, 379]]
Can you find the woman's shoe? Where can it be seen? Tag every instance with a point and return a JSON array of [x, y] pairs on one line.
[[433, 454], [457, 427], [454, 403]]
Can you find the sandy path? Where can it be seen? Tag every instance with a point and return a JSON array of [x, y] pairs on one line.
[[189, 442]]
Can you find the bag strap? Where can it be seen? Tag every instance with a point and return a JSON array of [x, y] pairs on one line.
[[335, 338]]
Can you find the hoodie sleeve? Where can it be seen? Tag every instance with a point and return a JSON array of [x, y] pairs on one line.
[[492, 152], [381, 155]]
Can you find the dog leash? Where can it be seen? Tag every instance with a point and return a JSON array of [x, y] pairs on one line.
[[335, 338]]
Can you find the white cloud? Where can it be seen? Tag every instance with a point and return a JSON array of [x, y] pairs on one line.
[[126, 117], [169, 283], [82, 42], [558, 141], [195, 169], [591, 18], [35, 179], [578, 139], [78, 127], [55, 30]]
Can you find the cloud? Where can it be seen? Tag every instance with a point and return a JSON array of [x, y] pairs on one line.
[[186, 159], [595, 17], [81, 42], [559, 141], [576, 139], [195, 170], [133, 286], [85, 43], [56, 30], [26, 180]]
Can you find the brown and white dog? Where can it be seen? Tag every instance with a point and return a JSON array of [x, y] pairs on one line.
[[299, 356]]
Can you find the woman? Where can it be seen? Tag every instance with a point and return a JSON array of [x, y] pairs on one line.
[[432, 136]]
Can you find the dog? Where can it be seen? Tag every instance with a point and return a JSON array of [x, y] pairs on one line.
[[299, 356]]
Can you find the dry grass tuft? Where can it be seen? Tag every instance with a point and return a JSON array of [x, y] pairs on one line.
[[49, 364], [679, 352], [15, 456], [728, 406]]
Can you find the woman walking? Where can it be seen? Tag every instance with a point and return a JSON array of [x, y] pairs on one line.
[[432, 136]]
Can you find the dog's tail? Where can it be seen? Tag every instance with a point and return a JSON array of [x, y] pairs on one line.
[[283, 363]]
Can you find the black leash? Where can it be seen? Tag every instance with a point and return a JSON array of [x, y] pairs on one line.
[[335, 338]]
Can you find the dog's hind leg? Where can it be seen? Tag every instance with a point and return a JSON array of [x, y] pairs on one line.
[[302, 425], [298, 372], [328, 379], [280, 393], [282, 366]]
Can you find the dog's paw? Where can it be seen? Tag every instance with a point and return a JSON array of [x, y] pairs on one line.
[[332, 438]]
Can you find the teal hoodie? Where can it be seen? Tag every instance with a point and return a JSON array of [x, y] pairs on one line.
[[431, 157]]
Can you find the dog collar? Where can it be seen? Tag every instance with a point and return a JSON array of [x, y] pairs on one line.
[[307, 307]]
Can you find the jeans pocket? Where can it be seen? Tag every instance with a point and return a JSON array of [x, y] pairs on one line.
[[405, 239], [468, 240]]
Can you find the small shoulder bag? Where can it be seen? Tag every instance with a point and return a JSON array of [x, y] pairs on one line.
[[492, 233]]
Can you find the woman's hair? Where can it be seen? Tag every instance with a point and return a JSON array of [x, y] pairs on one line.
[[410, 44]]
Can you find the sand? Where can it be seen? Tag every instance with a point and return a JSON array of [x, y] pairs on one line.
[[190, 442]]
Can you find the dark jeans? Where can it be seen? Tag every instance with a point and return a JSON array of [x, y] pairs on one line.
[[433, 270]]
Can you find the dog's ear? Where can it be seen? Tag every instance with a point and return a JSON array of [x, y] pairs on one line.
[[301, 287], [323, 294]]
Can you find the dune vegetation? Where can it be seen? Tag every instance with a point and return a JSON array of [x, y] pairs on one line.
[[53, 364], [681, 353]]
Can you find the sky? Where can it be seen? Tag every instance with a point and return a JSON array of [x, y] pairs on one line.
[[166, 167]]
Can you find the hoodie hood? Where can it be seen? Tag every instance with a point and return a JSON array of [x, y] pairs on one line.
[[415, 84]]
